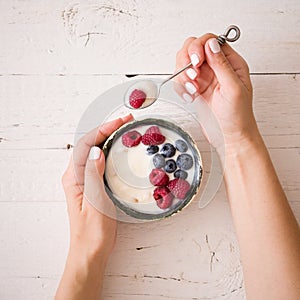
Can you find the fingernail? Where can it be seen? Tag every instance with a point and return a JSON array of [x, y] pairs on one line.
[[94, 153], [191, 73], [190, 88], [194, 59], [214, 46], [187, 97]]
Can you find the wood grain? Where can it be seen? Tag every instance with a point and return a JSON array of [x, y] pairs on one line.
[[56, 58], [71, 37]]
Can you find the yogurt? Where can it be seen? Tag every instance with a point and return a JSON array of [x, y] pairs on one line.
[[127, 172]]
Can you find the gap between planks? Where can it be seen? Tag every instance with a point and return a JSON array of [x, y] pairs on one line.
[[140, 74]]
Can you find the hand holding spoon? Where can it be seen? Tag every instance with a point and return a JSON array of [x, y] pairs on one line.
[[145, 92]]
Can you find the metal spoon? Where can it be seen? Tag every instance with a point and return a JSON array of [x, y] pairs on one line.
[[152, 89]]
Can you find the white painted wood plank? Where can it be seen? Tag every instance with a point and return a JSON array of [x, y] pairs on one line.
[[147, 263], [92, 37], [141, 264], [42, 112]]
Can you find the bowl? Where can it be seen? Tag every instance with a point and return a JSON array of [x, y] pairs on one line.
[[127, 171]]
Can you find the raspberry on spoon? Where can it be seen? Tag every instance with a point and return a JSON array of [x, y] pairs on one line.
[[137, 98]]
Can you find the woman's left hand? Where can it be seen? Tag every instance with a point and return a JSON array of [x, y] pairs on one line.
[[92, 231]]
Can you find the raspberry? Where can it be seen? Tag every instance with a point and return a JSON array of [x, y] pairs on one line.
[[131, 138], [158, 177], [163, 197], [153, 139], [152, 129], [179, 187], [137, 98]]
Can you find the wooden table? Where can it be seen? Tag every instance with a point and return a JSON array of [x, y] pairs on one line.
[[56, 57]]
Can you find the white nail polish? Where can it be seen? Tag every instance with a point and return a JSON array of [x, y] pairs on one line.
[[187, 97], [190, 88], [94, 153], [191, 73], [214, 46], [194, 59]]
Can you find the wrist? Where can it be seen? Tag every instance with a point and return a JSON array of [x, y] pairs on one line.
[[85, 267], [246, 141], [250, 150]]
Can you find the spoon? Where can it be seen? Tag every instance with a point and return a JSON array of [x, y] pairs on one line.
[[151, 89]]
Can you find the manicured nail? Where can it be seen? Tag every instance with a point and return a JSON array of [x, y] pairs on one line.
[[190, 88], [94, 153], [214, 46], [194, 59], [191, 73], [187, 97]]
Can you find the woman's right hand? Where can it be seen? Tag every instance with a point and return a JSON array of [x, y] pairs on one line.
[[221, 78]]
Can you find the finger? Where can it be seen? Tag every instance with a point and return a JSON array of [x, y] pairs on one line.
[[223, 69], [196, 49], [239, 65], [72, 190], [206, 80], [183, 93], [94, 137], [192, 52], [182, 59], [94, 190]]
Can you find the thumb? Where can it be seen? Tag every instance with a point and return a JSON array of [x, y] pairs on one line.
[[218, 62], [94, 190], [93, 174]]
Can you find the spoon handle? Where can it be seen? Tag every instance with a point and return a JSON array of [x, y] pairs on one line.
[[222, 39], [175, 74]]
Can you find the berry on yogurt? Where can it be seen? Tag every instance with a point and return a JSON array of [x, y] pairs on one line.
[[179, 188], [181, 174], [163, 197], [184, 161], [152, 149], [131, 138], [159, 161], [158, 177], [168, 150], [153, 139], [181, 146], [170, 166]]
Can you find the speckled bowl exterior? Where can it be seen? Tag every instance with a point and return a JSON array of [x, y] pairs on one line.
[[197, 166]]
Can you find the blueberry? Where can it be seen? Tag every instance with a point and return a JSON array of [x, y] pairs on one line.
[[181, 174], [152, 149], [181, 146], [159, 161], [184, 161], [168, 150], [170, 166]]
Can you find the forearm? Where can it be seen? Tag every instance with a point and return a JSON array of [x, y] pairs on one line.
[[82, 278], [267, 231]]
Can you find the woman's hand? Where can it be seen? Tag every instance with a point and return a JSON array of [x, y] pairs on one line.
[[264, 222], [92, 231], [221, 78]]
